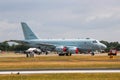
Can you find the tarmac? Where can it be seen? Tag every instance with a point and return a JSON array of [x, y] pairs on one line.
[[60, 71]]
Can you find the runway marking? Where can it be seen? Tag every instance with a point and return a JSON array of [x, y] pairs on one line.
[[59, 71]]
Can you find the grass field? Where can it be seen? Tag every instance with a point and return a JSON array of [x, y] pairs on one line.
[[56, 62], [102, 76], [19, 61]]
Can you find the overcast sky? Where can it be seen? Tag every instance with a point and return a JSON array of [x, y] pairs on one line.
[[98, 19]]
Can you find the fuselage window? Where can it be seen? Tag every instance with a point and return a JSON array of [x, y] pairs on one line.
[[94, 41]]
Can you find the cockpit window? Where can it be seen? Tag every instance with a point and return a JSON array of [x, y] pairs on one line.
[[95, 41]]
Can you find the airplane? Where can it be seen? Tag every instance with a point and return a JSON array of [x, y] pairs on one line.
[[61, 46]]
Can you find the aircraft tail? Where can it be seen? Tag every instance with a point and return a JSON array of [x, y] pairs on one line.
[[28, 33]]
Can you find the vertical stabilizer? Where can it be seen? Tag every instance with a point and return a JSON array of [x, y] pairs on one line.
[[28, 34]]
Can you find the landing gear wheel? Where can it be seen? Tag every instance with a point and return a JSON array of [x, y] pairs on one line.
[[92, 53], [68, 54], [61, 54]]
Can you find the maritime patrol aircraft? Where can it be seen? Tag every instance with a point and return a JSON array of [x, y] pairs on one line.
[[61, 46]]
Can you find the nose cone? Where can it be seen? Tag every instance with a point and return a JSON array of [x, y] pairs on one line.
[[103, 46]]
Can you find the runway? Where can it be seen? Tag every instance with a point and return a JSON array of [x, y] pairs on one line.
[[59, 71]]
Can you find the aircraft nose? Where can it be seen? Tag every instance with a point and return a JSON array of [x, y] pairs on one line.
[[103, 46]]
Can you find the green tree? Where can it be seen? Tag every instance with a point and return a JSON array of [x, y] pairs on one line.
[[111, 45], [4, 46], [20, 47]]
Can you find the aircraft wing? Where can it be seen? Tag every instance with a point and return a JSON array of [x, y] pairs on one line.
[[18, 41], [45, 44]]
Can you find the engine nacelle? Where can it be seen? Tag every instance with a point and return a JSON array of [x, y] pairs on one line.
[[73, 50], [61, 49]]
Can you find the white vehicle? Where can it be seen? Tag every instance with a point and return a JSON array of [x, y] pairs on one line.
[[35, 50]]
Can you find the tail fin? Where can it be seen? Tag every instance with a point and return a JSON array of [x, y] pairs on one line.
[[28, 34]]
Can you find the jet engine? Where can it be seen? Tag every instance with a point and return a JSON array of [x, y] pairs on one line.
[[61, 49], [68, 51], [73, 50]]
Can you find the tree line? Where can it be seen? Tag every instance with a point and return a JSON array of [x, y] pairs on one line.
[[4, 46], [111, 45]]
